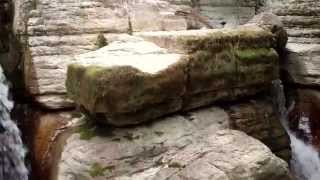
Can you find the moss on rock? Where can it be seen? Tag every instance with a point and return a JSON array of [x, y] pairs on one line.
[[244, 37], [97, 170], [216, 64], [101, 41]]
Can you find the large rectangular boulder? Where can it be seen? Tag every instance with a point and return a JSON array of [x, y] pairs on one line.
[[137, 81]]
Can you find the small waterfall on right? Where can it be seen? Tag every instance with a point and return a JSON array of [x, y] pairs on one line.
[[12, 152], [305, 162]]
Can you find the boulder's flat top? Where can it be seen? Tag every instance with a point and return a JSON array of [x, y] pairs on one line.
[[143, 55]]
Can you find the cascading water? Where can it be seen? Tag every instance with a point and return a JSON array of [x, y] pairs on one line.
[[305, 162], [12, 152]]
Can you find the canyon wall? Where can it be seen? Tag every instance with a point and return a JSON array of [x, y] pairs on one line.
[[53, 34]]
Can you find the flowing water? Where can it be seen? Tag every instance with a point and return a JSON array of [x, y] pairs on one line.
[[305, 162], [12, 152]]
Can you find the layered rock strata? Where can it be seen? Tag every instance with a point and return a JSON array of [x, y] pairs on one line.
[[52, 32], [258, 118], [301, 18]]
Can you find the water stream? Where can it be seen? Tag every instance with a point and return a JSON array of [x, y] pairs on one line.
[[305, 162], [12, 152]]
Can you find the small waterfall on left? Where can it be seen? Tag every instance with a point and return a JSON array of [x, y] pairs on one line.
[[12, 152]]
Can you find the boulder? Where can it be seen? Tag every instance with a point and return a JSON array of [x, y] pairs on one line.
[[137, 81], [194, 146]]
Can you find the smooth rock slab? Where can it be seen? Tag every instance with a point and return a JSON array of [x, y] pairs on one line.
[[177, 147], [136, 81]]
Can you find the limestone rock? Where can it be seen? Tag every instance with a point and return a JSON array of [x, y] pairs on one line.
[[258, 119], [177, 147], [301, 19], [51, 32], [137, 81], [227, 13], [273, 24], [122, 80], [41, 130]]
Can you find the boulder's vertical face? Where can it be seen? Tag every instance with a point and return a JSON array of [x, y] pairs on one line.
[[258, 119], [52, 31]]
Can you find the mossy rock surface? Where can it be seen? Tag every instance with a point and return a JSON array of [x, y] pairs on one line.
[[133, 82]]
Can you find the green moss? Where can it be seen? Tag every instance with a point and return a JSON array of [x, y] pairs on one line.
[[175, 165], [159, 133], [130, 136], [87, 131], [101, 41], [76, 114], [253, 54], [222, 40], [34, 4], [97, 169], [130, 28]]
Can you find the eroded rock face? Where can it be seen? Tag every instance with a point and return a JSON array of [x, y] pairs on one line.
[[302, 21], [193, 146], [258, 119], [52, 32], [134, 82], [228, 13], [4, 31]]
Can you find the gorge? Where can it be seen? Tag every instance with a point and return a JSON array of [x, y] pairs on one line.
[[160, 89]]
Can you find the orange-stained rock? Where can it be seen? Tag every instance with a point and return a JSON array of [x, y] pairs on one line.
[[41, 130]]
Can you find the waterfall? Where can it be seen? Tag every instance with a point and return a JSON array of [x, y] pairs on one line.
[[305, 162], [12, 152]]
